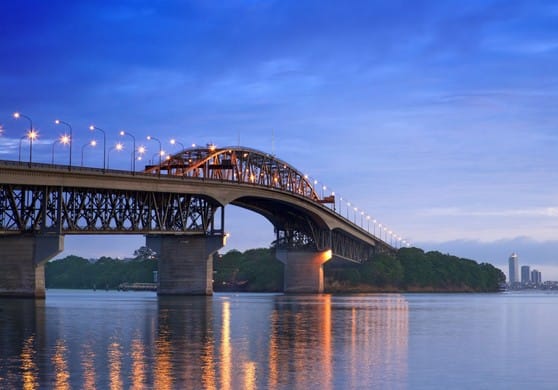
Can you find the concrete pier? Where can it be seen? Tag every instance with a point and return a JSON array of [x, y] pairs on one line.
[[22, 260], [185, 263], [304, 272]]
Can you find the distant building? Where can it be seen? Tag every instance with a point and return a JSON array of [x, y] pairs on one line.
[[536, 277], [514, 269], [525, 274]]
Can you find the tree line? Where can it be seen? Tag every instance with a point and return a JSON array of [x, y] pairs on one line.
[[411, 269], [104, 273]]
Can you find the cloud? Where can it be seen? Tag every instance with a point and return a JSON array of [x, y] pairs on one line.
[[457, 212]]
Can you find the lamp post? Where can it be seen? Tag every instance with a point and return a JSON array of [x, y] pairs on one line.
[[141, 151], [118, 147], [173, 141], [64, 140], [58, 121], [92, 127], [149, 138], [91, 143], [31, 135], [160, 154], [133, 165]]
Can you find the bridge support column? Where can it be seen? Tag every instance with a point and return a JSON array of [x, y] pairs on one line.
[[304, 272], [185, 263], [22, 264]]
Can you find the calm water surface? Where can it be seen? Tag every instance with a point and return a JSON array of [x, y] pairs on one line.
[[123, 340]]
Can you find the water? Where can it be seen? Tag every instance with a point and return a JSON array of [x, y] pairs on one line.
[[117, 340]]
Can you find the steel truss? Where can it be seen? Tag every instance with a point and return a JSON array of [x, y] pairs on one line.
[[309, 236], [249, 166], [241, 165], [68, 210]]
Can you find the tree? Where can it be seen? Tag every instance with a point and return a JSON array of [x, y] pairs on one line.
[[144, 253]]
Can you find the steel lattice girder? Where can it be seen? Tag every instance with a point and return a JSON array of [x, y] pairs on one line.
[[241, 165], [249, 166], [341, 245], [348, 248], [86, 210]]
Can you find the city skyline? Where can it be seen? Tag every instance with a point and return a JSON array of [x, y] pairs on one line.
[[437, 119]]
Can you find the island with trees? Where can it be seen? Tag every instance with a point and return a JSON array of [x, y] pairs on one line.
[[257, 270]]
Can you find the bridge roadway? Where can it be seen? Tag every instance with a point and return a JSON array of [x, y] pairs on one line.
[[179, 207]]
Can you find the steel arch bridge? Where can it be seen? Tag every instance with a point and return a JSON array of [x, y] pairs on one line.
[[295, 227], [186, 193]]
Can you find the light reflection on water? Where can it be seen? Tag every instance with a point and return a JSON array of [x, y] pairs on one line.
[[60, 363], [111, 340], [95, 340]]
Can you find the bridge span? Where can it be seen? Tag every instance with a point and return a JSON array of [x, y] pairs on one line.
[[179, 205]]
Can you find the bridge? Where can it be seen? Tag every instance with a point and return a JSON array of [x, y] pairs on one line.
[[179, 205]]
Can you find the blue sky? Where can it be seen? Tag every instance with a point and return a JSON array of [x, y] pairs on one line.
[[439, 118]]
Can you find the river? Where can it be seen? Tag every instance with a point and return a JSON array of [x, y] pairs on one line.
[[134, 340]]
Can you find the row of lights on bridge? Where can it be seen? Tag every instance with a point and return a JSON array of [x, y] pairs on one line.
[[383, 231], [137, 154], [67, 140]]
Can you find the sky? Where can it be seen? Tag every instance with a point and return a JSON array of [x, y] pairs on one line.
[[437, 118]]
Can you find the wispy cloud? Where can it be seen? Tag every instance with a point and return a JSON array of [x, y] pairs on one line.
[[457, 212]]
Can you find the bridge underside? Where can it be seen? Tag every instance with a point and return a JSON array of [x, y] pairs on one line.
[[299, 230]]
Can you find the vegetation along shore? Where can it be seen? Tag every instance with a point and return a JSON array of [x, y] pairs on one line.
[[257, 270]]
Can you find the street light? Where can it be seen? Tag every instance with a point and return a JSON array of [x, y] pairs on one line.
[[141, 150], [173, 141], [149, 138], [58, 121], [160, 154], [122, 133], [18, 115], [64, 140], [91, 143], [31, 135], [118, 147], [104, 143]]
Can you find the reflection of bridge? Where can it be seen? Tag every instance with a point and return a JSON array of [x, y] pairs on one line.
[[179, 206]]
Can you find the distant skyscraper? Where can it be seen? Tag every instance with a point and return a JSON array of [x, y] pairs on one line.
[[525, 274], [536, 277], [514, 268]]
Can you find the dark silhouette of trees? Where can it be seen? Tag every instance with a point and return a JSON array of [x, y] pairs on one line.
[[106, 272], [411, 269]]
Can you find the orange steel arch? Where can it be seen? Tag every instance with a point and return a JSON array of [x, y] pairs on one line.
[[238, 164]]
